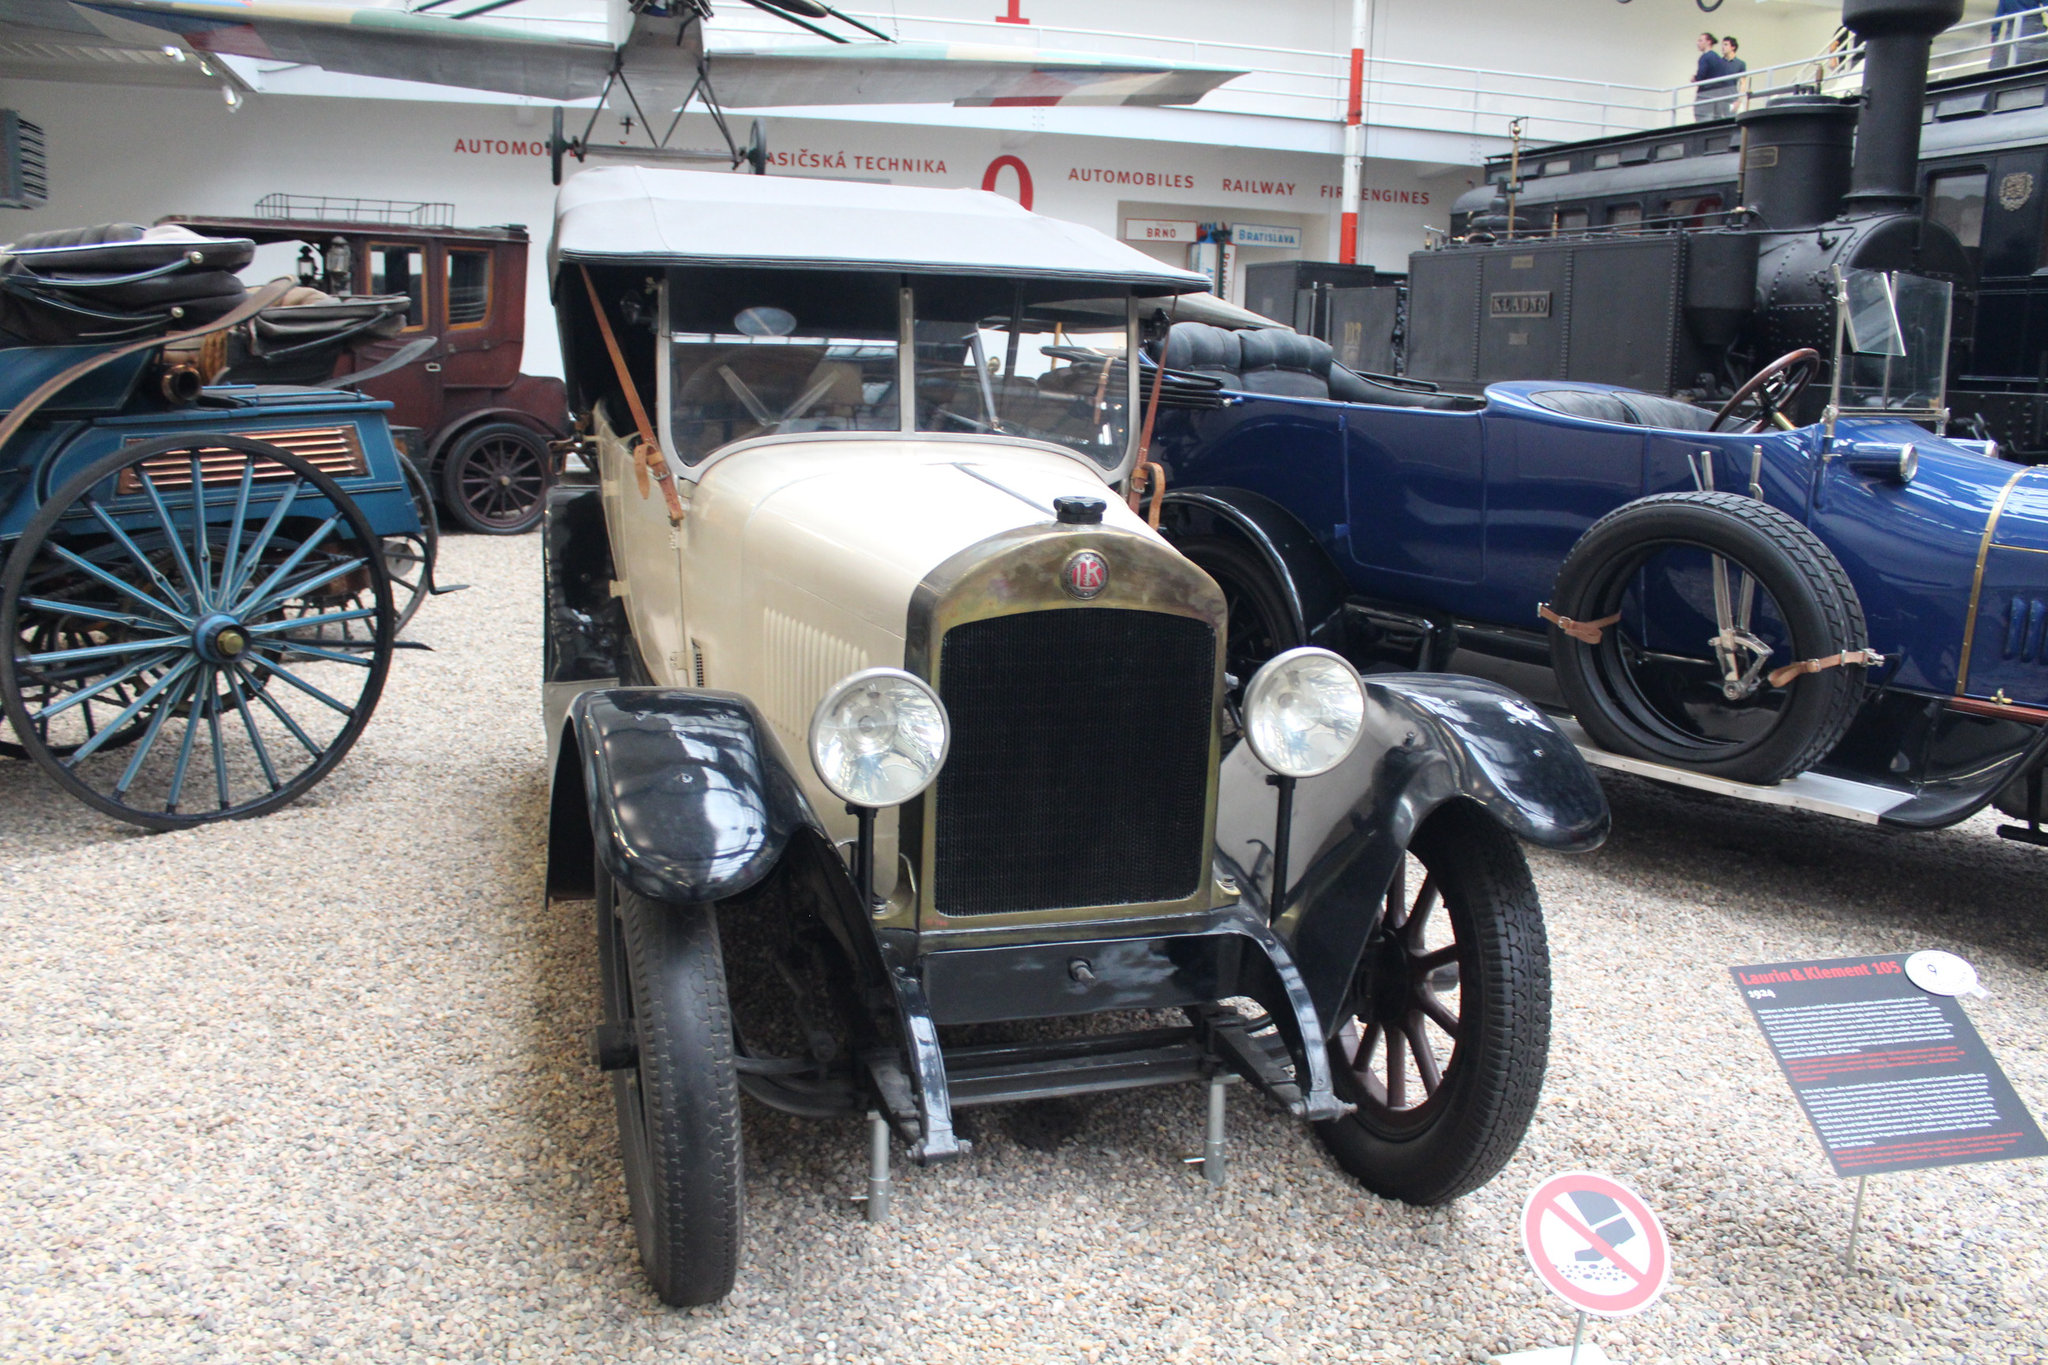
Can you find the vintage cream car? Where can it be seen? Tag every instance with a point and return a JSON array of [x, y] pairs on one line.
[[882, 724]]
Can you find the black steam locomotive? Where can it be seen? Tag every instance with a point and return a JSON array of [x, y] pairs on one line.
[[1679, 261]]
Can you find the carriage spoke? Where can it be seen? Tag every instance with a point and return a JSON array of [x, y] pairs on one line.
[[1397, 898], [220, 753], [303, 586], [148, 740], [1424, 963], [1368, 1043], [252, 557], [88, 693], [335, 656], [300, 622], [163, 517], [133, 709], [255, 740], [120, 618], [283, 716], [234, 536], [156, 575], [291, 564], [204, 685], [122, 585], [277, 670], [101, 651]]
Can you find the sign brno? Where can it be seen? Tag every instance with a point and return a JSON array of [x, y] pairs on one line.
[[1595, 1244]]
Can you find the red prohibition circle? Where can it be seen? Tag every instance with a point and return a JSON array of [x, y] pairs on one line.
[[995, 171], [1647, 1283]]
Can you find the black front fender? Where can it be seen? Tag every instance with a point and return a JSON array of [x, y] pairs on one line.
[[686, 795], [1428, 739]]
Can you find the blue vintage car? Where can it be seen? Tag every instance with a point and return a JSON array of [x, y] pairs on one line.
[[1721, 595]]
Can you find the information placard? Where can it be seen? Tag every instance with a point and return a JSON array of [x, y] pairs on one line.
[[1891, 1077]]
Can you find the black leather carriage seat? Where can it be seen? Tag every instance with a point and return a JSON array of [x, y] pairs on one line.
[[1627, 408], [60, 287], [1285, 363]]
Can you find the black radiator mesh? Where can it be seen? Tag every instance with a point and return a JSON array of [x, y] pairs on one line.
[[1079, 764]]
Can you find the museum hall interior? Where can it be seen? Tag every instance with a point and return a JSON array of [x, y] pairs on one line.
[[804, 681]]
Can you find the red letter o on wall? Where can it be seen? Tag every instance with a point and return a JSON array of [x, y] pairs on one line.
[[995, 170]]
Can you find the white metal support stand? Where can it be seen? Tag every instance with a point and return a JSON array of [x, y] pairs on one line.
[[878, 1167]]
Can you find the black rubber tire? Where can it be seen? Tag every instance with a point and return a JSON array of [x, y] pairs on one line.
[[1804, 580], [494, 479], [1464, 1131], [1261, 623], [409, 560], [678, 1107]]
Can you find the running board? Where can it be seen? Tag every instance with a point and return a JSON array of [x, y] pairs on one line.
[[1864, 802]]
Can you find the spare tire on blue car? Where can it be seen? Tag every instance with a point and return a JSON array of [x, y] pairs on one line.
[[1675, 622]]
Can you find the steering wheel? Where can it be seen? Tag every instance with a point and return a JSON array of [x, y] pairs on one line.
[[1774, 388]]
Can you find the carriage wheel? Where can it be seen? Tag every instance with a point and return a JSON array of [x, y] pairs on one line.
[[179, 660]]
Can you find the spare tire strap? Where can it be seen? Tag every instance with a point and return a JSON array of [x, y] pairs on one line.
[[648, 456], [1586, 632], [1779, 677]]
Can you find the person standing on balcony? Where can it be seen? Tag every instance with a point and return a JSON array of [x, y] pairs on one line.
[[2016, 19], [1707, 70], [1730, 87]]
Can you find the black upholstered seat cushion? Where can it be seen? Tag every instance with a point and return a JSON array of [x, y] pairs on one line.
[[1198, 348], [1628, 409], [1284, 363], [1348, 386]]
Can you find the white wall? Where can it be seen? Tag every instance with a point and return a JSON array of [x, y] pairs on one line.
[[130, 154]]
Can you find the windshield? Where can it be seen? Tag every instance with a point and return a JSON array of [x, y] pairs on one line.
[[990, 361], [1894, 334], [764, 353], [774, 352]]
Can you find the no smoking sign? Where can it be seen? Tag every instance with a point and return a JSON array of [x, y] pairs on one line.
[[1595, 1244]]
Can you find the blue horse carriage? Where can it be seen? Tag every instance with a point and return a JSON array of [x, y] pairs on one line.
[[1850, 616], [197, 581]]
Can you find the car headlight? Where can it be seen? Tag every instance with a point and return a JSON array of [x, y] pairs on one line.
[[1303, 712], [879, 737]]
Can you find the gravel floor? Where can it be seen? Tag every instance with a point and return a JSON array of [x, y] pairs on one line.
[[311, 1088]]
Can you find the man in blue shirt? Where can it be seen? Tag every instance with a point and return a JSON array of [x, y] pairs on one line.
[[1708, 69], [2019, 19]]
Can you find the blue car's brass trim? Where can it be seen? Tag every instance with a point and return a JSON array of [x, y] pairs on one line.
[[1977, 578]]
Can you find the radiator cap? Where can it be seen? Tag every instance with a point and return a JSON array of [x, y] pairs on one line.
[[1078, 511]]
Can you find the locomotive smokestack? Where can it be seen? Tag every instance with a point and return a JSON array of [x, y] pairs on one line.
[[1897, 35]]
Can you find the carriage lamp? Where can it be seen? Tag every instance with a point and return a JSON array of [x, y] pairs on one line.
[[1888, 460], [877, 739], [1303, 714]]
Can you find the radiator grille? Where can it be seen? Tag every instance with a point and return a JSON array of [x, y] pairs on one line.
[[336, 451], [1079, 769]]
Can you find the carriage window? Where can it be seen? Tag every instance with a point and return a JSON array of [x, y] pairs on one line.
[[992, 360], [1625, 216], [396, 270], [1956, 201], [1694, 210], [776, 352], [469, 287]]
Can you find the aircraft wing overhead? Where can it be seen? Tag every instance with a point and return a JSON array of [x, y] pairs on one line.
[[363, 42], [950, 73]]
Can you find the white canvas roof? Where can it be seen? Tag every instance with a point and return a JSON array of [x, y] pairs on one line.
[[648, 216]]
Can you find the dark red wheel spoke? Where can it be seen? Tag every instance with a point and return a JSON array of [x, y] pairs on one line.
[[1397, 899], [1432, 1005], [1422, 964], [1425, 1055], [1397, 1070], [1417, 919]]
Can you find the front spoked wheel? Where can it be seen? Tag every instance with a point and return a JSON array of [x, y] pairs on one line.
[[200, 630], [1445, 1032]]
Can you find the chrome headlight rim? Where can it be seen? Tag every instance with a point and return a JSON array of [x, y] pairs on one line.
[[862, 678], [1269, 676]]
